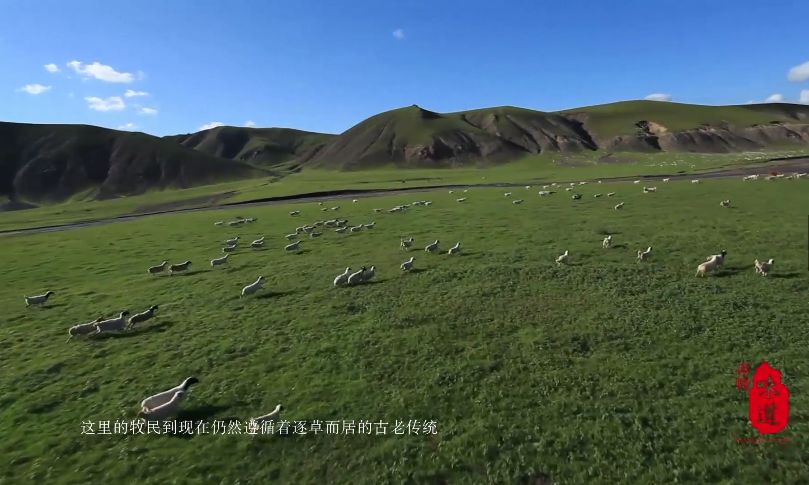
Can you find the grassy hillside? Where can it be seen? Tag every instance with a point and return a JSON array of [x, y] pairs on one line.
[[56, 162], [259, 146], [601, 371]]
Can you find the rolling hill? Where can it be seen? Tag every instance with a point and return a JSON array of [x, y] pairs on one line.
[[56, 162]]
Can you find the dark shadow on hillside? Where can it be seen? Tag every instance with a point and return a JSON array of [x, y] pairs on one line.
[[784, 275], [48, 306], [273, 294], [138, 330], [203, 412], [417, 270], [729, 271], [619, 246], [187, 273]]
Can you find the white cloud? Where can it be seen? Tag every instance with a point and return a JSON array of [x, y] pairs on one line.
[[658, 97], [101, 72], [128, 127], [147, 111], [799, 73], [775, 98], [51, 68], [113, 103], [250, 124], [212, 124], [34, 88], [804, 98], [131, 93], [398, 34]]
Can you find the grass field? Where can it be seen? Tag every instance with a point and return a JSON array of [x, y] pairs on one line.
[[546, 168], [601, 371]]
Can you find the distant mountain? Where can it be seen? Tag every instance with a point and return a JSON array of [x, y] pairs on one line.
[[55, 162], [415, 137], [259, 146]]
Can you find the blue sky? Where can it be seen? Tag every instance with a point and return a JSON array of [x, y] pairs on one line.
[[325, 66]]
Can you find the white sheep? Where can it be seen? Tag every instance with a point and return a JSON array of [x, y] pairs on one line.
[[228, 249], [647, 190], [543, 193], [176, 268], [607, 242], [369, 273], [342, 278], [636, 182], [272, 416], [568, 189], [354, 201], [407, 265], [763, 268], [315, 234], [158, 268], [356, 277], [341, 229], [369, 226], [597, 195], [165, 411], [290, 237], [218, 223], [220, 260], [377, 210], [115, 324], [142, 316], [161, 398], [695, 181], [356, 228], [432, 247], [38, 299], [258, 243], [707, 267], [517, 201], [83, 328], [461, 199], [576, 196], [507, 194], [720, 258], [619, 206], [252, 287], [292, 247], [725, 203], [308, 229], [562, 258], [610, 194], [295, 213], [232, 242], [644, 255], [337, 207], [666, 180], [406, 244], [455, 249]]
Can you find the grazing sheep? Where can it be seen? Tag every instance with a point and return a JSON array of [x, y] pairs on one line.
[[341, 229], [337, 207], [607, 242], [161, 398], [165, 411], [368, 274], [407, 265], [83, 328], [451, 191], [295, 213], [232, 242], [218, 223], [258, 243], [465, 190], [159, 268], [116, 324], [644, 255], [461, 199], [527, 187], [647, 190], [292, 247], [342, 278], [290, 237], [432, 247], [324, 209], [610, 194], [707, 267], [356, 277], [764, 268], [562, 258], [220, 260], [725, 203], [356, 228], [597, 195], [507, 194], [428, 203], [142, 316], [666, 180], [455, 249], [543, 193], [308, 229], [315, 234], [354, 201], [377, 210], [405, 244], [228, 249], [369, 226], [695, 181], [568, 189], [636, 182], [38, 299], [576, 196], [176, 268], [619, 206], [252, 287], [517, 201], [272, 416]]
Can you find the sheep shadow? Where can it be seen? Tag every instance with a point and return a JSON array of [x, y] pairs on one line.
[[417, 270], [272, 294], [46, 306], [203, 412], [157, 327], [619, 246], [784, 275], [187, 273], [729, 271]]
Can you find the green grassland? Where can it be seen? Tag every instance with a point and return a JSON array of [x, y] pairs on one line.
[[602, 371], [545, 168]]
